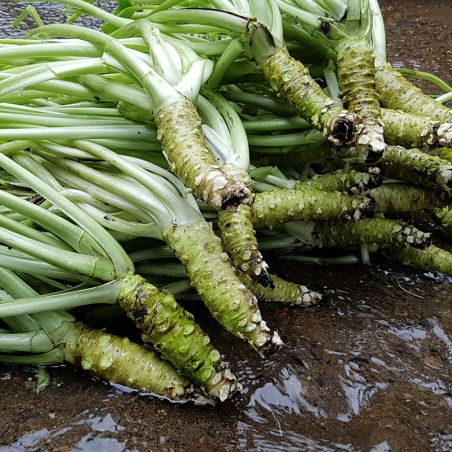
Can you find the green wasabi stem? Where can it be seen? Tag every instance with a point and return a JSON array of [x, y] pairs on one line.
[[240, 242], [344, 181], [404, 198], [397, 93], [218, 285], [184, 145], [174, 333], [117, 360], [272, 208], [291, 80], [380, 231], [356, 74], [284, 292], [416, 167], [413, 131], [432, 258], [445, 217]]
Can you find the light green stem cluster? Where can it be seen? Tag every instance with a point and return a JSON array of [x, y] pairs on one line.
[[117, 360], [216, 282], [431, 258], [404, 198], [413, 131], [239, 240], [174, 333], [344, 181], [291, 80], [356, 74], [272, 208], [397, 93], [285, 292], [183, 142], [416, 167]]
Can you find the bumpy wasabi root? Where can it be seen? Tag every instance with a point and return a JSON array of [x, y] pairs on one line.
[[356, 74], [344, 181], [291, 80], [397, 93], [239, 241], [218, 285], [285, 292], [444, 153], [432, 258], [378, 231], [416, 167], [184, 145], [272, 208], [411, 131], [445, 217], [117, 360], [403, 198], [174, 333]]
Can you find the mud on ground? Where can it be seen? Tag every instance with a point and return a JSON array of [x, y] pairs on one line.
[[370, 369]]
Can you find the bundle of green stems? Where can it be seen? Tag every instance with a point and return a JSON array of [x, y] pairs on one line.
[[152, 162]]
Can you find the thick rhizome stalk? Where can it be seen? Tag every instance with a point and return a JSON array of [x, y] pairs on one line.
[[432, 258], [106, 356], [218, 285], [379, 231], [413, 131], [292, 82], [178, 123], [272, 208]]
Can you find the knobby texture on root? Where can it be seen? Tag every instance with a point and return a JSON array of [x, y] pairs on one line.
[[412, 131], [397, 93], [344, 181], [285, 292], [380, 231], [173, 332], [432, 258], [403, 198], [417, 167], [444, 153], [356, 75], [272, 208], [239, 241], [117, 360], [185, 147], [445, 217], [219, 286], [293, 83]]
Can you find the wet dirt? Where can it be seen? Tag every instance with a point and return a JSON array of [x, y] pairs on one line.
[[369, 369]]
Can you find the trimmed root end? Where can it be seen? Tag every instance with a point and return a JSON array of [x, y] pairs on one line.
[[415, 238], [224, 384], [444, 179], [234, 195], [444, 134], [307, 297], [344, 130]]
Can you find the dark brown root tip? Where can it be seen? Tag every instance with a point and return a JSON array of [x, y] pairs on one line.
[[374, 156], [344, 130], [375, 181], [264, 280], [369, 210], [239, 195]]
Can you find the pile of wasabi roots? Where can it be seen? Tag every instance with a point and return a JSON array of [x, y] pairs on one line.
[[145, 165]]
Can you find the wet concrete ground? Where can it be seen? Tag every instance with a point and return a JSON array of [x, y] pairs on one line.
[[369, 369]]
